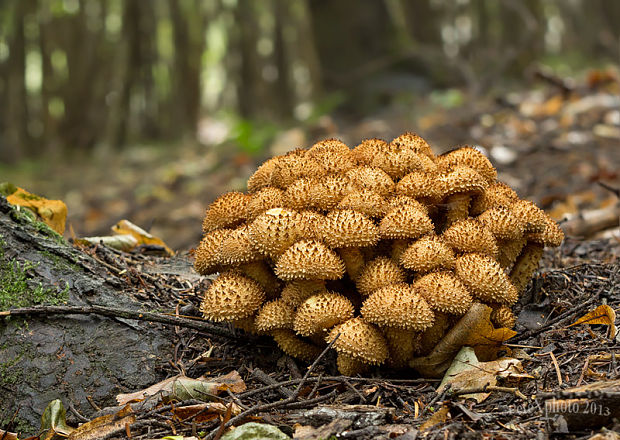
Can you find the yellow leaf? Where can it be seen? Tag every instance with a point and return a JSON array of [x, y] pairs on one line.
[[440, 416], [105, 425], [52, 212], [124, 227], [601, 315]]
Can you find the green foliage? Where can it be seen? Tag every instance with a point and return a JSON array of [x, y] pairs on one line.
[[251, 136]]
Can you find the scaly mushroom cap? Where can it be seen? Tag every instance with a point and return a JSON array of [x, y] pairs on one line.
[[344, 228], [472, 158], [328, 192], [552, 235], [333, 155], [502, 316], [397, 163], [237, 248], [208, 253], [526, 265], [402, 344], [444, 293], [274, 315], [498, 194], [349, 366], [374, 179], [365, 152], [401, 200], [321, 312], [226, 211], [366, 201], [485, 279], [533, 218], [230, 297], [470, 236], [263, 275], [296, 292], [378, 273], [309, 260], [397, 305], [294, 166], [502, 223], [509, 250], [419, 184], [399, 246], [298, 195], [294, 346], [263, 200], [248, 325], [262, 176], [310, 222], [360, 340], [353, 259], [274, 231], [405, 222], [414, 143], [427, 254], [461, 180]]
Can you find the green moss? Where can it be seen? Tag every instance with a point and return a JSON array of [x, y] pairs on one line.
[[25, 215]]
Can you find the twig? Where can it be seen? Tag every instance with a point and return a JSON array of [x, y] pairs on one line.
[[610, 188], [438, 396], [268, 380], [490, 388], [113, 312]]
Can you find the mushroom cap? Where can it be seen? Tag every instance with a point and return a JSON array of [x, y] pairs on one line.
[[378, 273], [365, 152], [459, 180], [309, 260], [498, 194], [525, 265], [472, 158], [293, 166], [275, 230], [509, 250], [533, 218], [405, 222], [401, 200], [402, 345], [444, 293], [397, 305], [296, 292], [328, 191], [470, 236], [263, 200], [360, 340], [260, 272], [502, 223], [350, 366], [274, 315], [485, 279], [311, 222], [208, 255], [298, 195], [552, 235], [427, 254], [294, 346], [366, 201], [413, 142], [344, 228], [329, 146], [236, 247], [262, 176], [398, 162], [370, 178], [333, 155], [231, 296], [227, 211], [354, 261], [419, 184], [502, 316], [321, 312]]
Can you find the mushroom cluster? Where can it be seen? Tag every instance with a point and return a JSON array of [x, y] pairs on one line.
[[385, 245]]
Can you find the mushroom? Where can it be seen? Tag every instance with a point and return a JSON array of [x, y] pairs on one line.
[[231, 296], [485, 279], [294, 346], [321, 312], [298, 195], [444, 293], [236, 247], [275, 230], [375, 179], [264, 200], [296, 292], [427, 254], [328, 191], [420, 185], [472, 158], [309, 260], [378, 273], [405, 222], [470, 235], [226, 211], [402, 345], [498, 194], [293, 166], [359, 340], [365, 152], [262, 176], [275, 315], [333, 156], [366, 201], [502, 316], [345, 228], [208, 253], [457, 187], [414, 143]]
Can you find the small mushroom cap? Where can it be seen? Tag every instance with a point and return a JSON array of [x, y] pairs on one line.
[[525, 265], [502, 316], [552, 235], [294, 346], [461, 179], [260, 272], [311, 222], [293, 166], [502, 223], [344, 228], [298, 195], [360, 340], [509, 250], [263, 200], [262, 176], [274, 315], [333, 155], [397, 305], [226, 211], [414, 143], [321, 312], [472, 158], [231, 296], [498, 194], [405, 222], [274, 231], [401, 200], [533, 218], [402, 344], [366, 201], [470, 236], [444, 293], [485, 279], [378, 273], [350, 366], [208, 253], [296, 292], [328, 191], [366, 151], [309, 260], [354, 261], [419, 184], [370, 178], [398, 162], [237, 248], [427, 254]]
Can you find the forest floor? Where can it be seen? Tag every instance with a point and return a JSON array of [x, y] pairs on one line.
[[556, 146]]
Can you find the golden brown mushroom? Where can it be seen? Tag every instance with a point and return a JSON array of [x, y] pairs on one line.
[[457, 188], [226, 211], [444, 293], [405, 222], [485, 279], [427, 254], [296, 292], [230, 297], [321, 312], [370, 178], [470, 235], [472, 158], [275, 230], [309, 260], [275, 315], [346, 228], [208, 253], [366, 201], [359, 340], [378, 273], [263, 200]]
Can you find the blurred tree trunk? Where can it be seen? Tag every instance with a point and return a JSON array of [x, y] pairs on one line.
[[306, 40], [47, 79], [284, 88]]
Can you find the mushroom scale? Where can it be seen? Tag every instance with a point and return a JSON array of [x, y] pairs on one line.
[[231, 296], [427, 254], [309, 260], [347, 228], [486, 279], [321, 312], [359, 340], [444, 293], [377, 273]]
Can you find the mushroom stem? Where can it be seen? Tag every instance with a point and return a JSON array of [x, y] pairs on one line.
[[349, 366], [458, 208], [526, 265]]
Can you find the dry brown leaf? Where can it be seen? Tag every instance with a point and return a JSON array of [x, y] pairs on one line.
[[440, 416], [104, 425], [124, 242], [52, 212], [6, 435], [124, 227], [205, 412], [601, 315]]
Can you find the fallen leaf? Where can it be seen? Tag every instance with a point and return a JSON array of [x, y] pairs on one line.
[[52, 212], [104, 425], [124, 227], [53, 421], [204, 412], [123, 242], [182, 388], [6, 435], [440, 416], [601, 315]]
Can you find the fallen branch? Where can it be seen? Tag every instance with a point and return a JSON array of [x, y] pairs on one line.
[[112, 312], [586, 223]]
